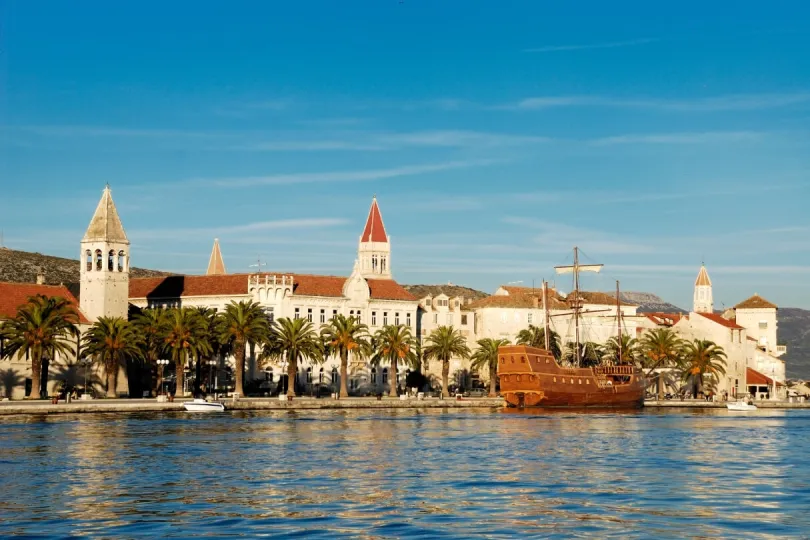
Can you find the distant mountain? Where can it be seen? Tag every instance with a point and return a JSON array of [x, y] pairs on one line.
[[794, 331], [23, 267], [649, 303]]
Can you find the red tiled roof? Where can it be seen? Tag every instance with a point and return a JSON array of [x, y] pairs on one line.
[[753, 376], [664, 319], [714, 317], [756, 302], [375, 230], [13, 295], [237, 284]]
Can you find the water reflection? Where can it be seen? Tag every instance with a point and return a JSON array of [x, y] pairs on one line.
[[407, 473]]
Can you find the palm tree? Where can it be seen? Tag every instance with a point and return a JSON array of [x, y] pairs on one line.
[[112, 341], [442, 344], [590, 353], [345, 335], [184, 339], [42, 327], [487, 355], [702, 359], [534, 336], [293, 339], [660, 347], [621, 351], [151, 326], [393, 343], [242, 323]]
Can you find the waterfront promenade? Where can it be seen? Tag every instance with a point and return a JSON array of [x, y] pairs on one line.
[[244, 404]]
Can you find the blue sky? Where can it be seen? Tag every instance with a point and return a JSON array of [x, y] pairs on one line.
[[496, 135]]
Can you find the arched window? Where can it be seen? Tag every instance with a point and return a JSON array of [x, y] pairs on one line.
[[385, 375], [110, 260], [382, 264], [88, 255], [320, 377], [373, 262], [335, 375], [121, 261], [309, 374], [99, 259], [374, 375]]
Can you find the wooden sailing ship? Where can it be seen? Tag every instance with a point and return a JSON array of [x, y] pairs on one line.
[[532, 377]]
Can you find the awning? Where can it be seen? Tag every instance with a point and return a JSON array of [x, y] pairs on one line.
[[755, 378]]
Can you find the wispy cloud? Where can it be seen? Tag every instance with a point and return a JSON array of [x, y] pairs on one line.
[[340, 176], [680, 138], [560, 237], [608, 45], [112, 131], [304, 223], [731, 102]]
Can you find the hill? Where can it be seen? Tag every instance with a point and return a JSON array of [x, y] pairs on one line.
[[649, 303], [23, 267], [420, 291]]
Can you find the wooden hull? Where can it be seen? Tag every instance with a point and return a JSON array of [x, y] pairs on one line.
[[531, 377]]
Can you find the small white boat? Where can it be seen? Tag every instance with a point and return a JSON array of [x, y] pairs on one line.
[[200, 405], [741, 406]]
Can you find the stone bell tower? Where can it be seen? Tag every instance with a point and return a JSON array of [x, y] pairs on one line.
[[104, 288], [374, 251]]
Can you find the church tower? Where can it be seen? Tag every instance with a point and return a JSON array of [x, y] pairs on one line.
[[374, 252], [216, 266], [104, 289], [703, 302]]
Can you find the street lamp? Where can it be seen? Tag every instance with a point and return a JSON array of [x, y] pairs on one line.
[[162, 363], [85, 363], [211, 364]]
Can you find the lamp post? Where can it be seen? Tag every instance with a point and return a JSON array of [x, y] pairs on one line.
[[85, 363], [211, 364], [162, 363]]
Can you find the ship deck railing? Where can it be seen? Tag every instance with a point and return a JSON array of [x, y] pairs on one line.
[[614, 370]]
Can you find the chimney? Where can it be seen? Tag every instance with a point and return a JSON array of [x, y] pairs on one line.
[[40, 277]]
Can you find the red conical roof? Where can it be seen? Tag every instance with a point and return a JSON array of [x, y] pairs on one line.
[[375, 230]]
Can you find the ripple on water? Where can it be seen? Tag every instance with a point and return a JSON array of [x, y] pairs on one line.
[[406, 474]]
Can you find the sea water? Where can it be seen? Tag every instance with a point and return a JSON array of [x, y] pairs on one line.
[[407, 473]]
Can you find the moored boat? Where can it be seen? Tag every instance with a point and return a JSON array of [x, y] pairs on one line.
[[531, 377], [741, 405], [200, 405]]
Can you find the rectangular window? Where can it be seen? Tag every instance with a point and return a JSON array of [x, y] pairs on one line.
[[449, 319], [427, 302], [408, 319], [435, 318], [309, 314], [359, 318], [323, 316], [396, 318], [373, 318], [385, 318], [464, 320], [297, 313], [529, 318], [334, 313], [763, 325]]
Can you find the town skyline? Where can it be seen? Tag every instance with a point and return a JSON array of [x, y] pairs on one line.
[[494, 145]]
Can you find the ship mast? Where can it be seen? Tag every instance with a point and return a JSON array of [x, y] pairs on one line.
[[618, 323], [545, 317], [575, 269]]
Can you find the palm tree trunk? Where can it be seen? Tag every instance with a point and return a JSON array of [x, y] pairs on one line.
[[112, 376], [36, 374], [344, 374], [291, 371], [159, 382], [179, 375], [240, 368], [493, 375], [445, 376], [392, 379], [660, 386]]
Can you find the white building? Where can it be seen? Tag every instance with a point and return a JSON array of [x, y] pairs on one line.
[[368, 294]]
